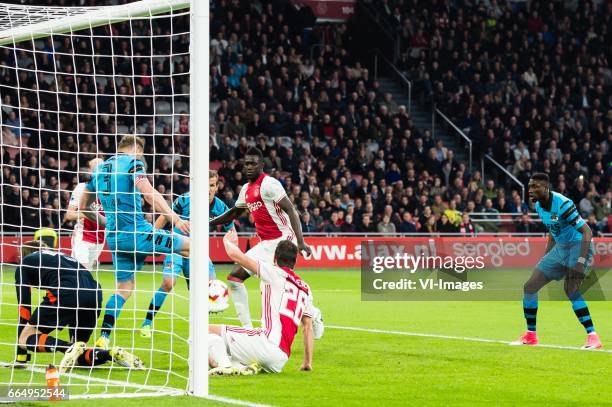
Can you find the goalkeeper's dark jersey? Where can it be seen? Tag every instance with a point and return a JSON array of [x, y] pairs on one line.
[[61, 275]]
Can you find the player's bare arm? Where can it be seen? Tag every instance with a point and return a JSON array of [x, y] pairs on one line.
[[87, 199], [228, 216], [230, 241], [159, 204], [71, 214], [161, 222], [308, 335], [286, 205], [576, 276], [550, 243], [585, 244]]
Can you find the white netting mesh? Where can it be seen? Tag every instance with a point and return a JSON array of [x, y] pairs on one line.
[[68, 94]]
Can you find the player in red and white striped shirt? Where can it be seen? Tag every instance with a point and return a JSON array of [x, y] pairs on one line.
[[286, 303], [88, 235], [276, 220]]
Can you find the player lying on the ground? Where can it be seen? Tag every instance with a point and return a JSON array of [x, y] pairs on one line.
[[569, 253], [88, 234], [265, 198], [175, 264], [73, 299], [120, 183], [286, 303]]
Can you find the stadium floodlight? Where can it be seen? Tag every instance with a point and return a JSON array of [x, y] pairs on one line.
[[74, 81]]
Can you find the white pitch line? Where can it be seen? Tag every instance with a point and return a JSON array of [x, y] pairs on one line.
[[235, 401], [452, 337], [462, 338]]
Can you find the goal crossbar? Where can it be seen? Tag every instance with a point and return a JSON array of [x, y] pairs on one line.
[[19, 23]]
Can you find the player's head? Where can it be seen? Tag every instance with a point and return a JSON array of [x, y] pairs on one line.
[[132, 144], [539, 187], [213, 183], [253, 163], [285, 254], [32, 246]]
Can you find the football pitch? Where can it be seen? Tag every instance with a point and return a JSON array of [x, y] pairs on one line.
[[372, 353]]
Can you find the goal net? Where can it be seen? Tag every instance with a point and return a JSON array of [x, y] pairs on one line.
[[74, 81]]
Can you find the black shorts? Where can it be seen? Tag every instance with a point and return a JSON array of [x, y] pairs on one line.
[[77, 310]]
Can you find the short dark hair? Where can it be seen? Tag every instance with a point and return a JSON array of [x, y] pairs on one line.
[[32, 246], [540, 176], [255, 151], [286, 254]]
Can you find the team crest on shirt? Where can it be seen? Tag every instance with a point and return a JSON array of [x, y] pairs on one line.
[[256, 192]]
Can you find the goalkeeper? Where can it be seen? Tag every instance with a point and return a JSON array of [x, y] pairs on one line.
[[73, 299]]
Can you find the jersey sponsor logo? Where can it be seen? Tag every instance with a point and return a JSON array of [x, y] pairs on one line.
[[254, 206]]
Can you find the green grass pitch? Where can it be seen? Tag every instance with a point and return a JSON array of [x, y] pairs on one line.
[[360, 367]]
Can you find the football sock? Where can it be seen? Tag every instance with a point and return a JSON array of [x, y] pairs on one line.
[[46, 343], [241, 302], [156, 302], [94, 357], [111, 313], [530, 310], [582, 313], [217, 351]]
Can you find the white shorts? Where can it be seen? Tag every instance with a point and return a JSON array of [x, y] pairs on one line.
[[248, 346], [86, 253], [264, 250]]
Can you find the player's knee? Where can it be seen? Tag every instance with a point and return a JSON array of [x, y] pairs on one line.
[[125, 289], [530, 287], [25, 334], [168, 284]]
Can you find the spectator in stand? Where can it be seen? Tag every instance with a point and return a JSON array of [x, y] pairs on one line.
[[466, 227], [491, 223], [366, 225], [308, 226], [348, 226], [525, 225], [407, 226], [444, 225], [333, 225], [385, 226]]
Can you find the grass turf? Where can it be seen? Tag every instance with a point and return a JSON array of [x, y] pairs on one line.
[[357, 367]]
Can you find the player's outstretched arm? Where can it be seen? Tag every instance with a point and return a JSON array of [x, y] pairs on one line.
[[71, 214], [161, 222], [308, 335], [87, 199], [230, 241], [228, 216], [159, 204], [286, 205]]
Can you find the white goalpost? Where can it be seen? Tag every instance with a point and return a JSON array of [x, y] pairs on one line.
[[73, 81]]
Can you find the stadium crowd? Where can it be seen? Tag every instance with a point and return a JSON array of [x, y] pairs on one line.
[[349, 156], [531, 81]]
